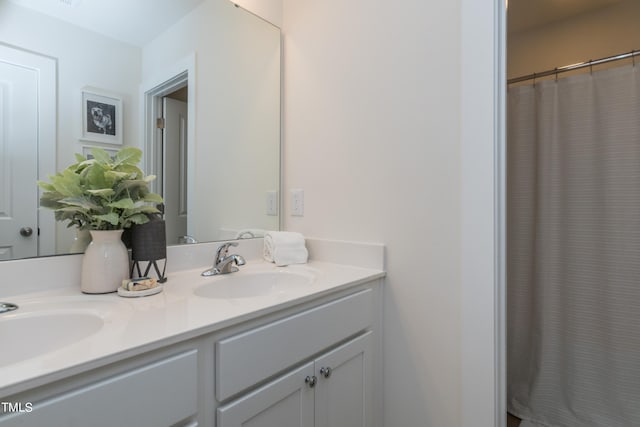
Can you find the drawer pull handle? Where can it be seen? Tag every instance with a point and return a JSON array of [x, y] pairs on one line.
[[311, 381], [325, 372]]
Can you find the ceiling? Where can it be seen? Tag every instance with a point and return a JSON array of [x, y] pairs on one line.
[[138, 22], [135, 22], [527, 14]]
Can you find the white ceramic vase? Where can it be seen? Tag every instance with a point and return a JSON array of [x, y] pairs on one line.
[[80, 242], [105, 263]]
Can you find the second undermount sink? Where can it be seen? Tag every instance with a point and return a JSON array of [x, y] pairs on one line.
[[255, 284], [29, 332]]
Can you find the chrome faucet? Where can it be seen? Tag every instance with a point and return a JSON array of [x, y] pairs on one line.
[[223, 262], [186, 240]]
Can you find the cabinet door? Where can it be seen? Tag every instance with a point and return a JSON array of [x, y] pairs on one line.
[[344, 394], [162, 393], [285, 402]]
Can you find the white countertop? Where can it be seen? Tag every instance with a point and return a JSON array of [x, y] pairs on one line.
[[135, 325]]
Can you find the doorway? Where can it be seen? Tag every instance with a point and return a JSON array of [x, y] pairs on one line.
[[559, 369], [173, 139], [169, 128]]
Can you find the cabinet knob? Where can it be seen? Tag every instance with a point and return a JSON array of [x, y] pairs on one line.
[[311, 381], [325, 372]]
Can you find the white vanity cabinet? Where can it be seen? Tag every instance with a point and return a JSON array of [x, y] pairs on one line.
[[321, 361], [147, 392], [331, 391], [314, 362]]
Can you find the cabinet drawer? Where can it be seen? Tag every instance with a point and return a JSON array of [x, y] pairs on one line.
[[250, 357], [159, 394]]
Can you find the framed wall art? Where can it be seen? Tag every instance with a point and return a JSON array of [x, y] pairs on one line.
[[101, 117], [86, 151]]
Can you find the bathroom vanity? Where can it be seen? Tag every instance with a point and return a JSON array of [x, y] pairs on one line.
[[266, 346]]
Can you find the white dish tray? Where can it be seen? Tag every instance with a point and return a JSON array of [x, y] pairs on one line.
[[136, 294]]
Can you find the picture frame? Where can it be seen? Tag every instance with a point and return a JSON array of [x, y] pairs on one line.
[[86, 151], [101, 117]]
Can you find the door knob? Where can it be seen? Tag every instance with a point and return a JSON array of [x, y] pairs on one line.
[[325, 372], [26, 231], [311, 381]]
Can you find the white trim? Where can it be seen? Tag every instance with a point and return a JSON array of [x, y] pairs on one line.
[[500, 186], [482, 282], [281, 206], [163, 83]]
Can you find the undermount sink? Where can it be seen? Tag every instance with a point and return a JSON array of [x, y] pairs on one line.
[[29, 332], [255, 284]]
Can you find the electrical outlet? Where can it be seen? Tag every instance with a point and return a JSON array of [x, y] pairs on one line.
[[272, 203], [297, 202]]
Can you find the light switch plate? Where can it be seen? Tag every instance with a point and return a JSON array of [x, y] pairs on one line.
[[297, 202], [272, 203]]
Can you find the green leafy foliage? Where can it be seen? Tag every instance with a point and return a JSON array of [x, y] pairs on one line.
[[101, 193]]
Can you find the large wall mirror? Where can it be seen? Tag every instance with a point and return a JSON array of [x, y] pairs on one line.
[[210, 69]]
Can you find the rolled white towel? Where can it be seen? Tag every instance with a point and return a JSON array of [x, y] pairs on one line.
[[249, 233], [285, 247]]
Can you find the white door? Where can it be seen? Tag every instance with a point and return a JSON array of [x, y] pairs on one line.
[[344, 394], [27, 151], [175, 168], [285, 402], [19, 148]]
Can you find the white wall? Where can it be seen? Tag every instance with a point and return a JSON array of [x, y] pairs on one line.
[[271, 10], [237, 113], [372, 135], [84, 58], [376, 133], [593, 35]]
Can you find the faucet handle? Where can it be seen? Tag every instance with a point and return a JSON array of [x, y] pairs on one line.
[[223, 263], [223, 249]]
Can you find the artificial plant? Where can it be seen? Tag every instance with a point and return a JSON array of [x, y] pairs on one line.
[[102, 192]]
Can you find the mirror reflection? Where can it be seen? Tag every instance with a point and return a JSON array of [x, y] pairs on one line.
[[195, 84]]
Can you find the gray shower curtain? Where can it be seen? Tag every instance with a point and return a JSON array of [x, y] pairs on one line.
[[573, 244]]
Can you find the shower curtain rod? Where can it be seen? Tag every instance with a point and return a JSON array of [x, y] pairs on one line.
[[572, 67]]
